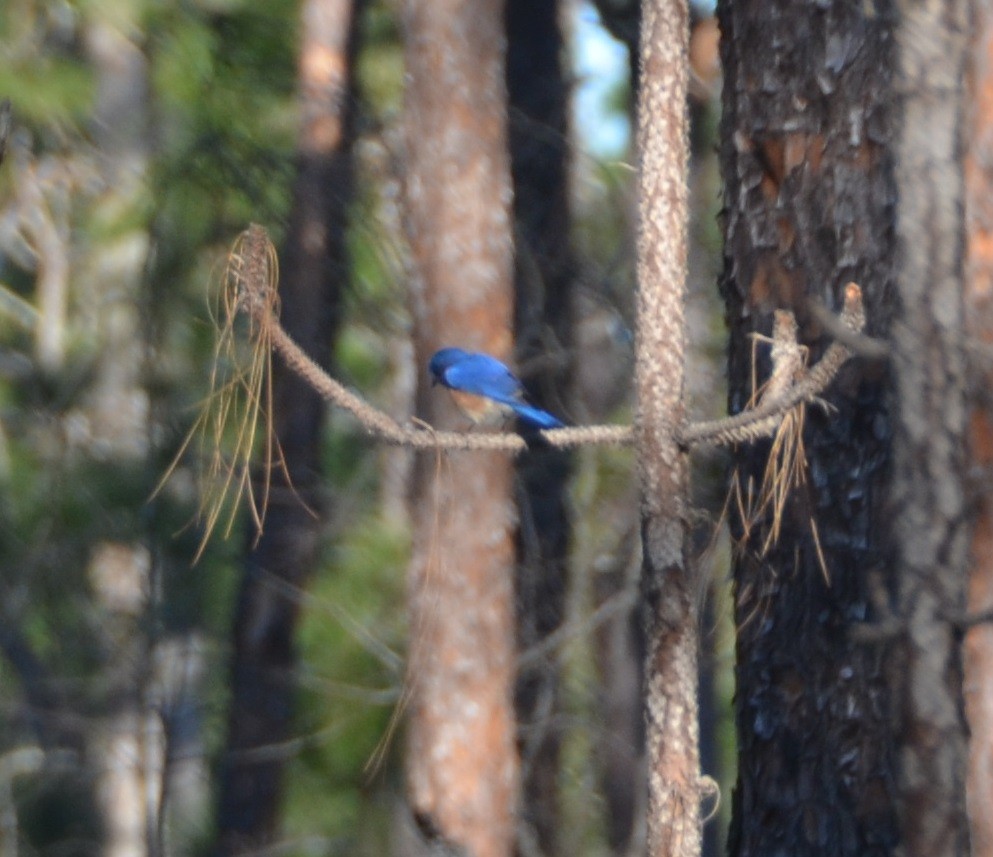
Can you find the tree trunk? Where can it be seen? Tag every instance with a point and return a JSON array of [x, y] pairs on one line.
[[313, 277], [928, 502], [978, 645], [539, 146], [670, 593], [619, 649], [806, 142], [462, 766], [127, 743]]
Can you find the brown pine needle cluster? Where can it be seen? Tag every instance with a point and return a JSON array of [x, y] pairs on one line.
[[786, 467], [236, 418]]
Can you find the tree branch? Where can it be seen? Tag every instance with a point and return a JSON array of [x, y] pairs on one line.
[[789, 385]]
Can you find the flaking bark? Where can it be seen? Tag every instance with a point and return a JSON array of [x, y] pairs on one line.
[[809, 204]]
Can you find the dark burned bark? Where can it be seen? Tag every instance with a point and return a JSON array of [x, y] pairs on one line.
[[928, 485], [809, 205], [539, 155], [314, 270], [462, 767]]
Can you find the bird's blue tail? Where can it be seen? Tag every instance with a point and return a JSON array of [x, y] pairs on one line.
[[536, 417]]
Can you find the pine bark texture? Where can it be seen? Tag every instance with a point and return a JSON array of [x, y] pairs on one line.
[[462, 769], [314, 270], [806, 142], [928, 501], [669, 593], [978, 644], [538, 96]]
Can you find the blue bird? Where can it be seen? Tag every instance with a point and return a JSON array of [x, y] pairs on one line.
[[485, 390]]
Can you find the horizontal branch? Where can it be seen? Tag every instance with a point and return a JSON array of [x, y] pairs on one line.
[[386, 428], [789, 386]]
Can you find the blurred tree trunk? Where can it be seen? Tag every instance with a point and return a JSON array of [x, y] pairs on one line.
[[706, 400], [462, 765], [806, 156], [538, 98], [667, 586], [314, 273], [103, 426], [978, 646], [927, 487], [603, 370], [619, 649], [127, 743]]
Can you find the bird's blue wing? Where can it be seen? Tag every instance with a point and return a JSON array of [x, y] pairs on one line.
[[484, 376]]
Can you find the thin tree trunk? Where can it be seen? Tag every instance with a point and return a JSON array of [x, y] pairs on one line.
[[539, 152], [978, 645], [462, 768], [619, 648], [127, 744], [313, 277], [927, 489], [670, 593]]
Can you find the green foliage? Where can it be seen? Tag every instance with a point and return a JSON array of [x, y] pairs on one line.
[[41, 70], [224, 82], [380, 64], [220, 153], [56, 93], [351, 639]]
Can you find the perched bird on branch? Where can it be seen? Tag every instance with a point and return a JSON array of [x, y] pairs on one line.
[[485, 390]]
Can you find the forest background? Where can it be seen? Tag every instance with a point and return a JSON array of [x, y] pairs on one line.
[[145, 138], [169, 687]]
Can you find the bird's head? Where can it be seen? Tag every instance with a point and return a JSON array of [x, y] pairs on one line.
[[441, 361]]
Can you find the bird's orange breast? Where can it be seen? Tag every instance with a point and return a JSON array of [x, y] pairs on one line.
[[479, 409]]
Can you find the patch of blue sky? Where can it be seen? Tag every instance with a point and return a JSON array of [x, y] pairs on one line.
[[600, 64]]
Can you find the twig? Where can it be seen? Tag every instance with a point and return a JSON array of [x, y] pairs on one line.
[[858, 343], [762, 420]]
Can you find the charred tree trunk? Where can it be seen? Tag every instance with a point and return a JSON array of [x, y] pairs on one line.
[[668, 589], [462, 768], [539, 153], [806, 153], [313, 276]]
